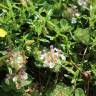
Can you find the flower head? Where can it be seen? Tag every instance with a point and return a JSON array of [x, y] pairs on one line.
[[73, 20], [52, 57], [17, 59], [20, 77]]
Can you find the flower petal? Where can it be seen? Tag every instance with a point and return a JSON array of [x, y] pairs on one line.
[[3, 33]]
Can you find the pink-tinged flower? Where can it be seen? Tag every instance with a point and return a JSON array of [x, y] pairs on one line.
[[51, 49], [43, 54], [22, 75], [19, 77], [52, 57]]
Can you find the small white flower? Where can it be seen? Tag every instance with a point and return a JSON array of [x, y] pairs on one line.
[[56, 54], [51, 65], [46, 64], [74, 6], [73, 20], [77, 14], [24, 77], [19, 59], [15, 79], [42, 56], [4, 10], [55, 49], [63, 57]]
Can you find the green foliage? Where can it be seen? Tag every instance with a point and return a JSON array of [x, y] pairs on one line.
[[45, 42], [82, 35], [79, 92], [61, 90]]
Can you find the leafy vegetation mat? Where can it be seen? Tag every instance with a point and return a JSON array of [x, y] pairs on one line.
[[47, 47]]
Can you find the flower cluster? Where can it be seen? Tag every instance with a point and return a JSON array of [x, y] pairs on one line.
[[75, 13], [16, 61], [52, 57], [21, 75], [17, 78]]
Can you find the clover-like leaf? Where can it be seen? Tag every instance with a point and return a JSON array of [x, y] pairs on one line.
[[82, 35], [79, 92]]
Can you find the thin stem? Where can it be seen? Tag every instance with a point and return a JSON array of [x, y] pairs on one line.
[[48, 81], [57, 75]]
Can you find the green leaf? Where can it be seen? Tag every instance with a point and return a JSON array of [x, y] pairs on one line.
[[70, 70], [25, 83], [10, 70], [51, 26], [3, 6], [82, 35], [68, 91], [79, 92], [50, 37], [43, 40]]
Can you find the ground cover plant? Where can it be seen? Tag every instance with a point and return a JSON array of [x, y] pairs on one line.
[[47, 47]]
